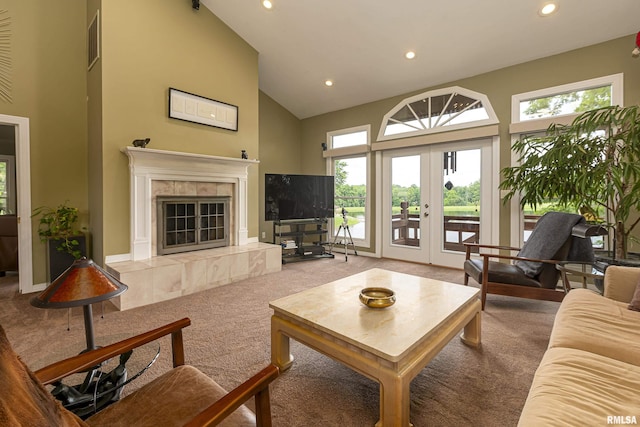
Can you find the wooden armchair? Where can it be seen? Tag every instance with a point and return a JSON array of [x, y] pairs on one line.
[[182, 396], [503, 278], [532, 272]]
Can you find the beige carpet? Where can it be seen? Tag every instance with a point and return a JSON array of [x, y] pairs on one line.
[[229, 341]]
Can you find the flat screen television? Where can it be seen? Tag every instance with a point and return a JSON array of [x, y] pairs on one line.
[[298, 197]]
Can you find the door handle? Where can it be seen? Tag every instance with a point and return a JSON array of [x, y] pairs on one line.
[[426, 214]]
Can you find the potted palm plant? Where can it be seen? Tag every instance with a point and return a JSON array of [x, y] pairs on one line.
[[592, 165], [65, 243]]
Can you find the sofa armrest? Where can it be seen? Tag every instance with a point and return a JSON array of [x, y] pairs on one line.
[[620, 282]]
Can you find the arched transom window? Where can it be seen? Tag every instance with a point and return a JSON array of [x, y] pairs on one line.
[[439, 110]]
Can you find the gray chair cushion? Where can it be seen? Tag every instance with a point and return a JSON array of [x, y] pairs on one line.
[[499, 272]]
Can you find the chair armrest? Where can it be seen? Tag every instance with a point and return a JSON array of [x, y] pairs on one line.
[[519, 258], [257, 386], [89, 359], [620, 282], [500, 247]]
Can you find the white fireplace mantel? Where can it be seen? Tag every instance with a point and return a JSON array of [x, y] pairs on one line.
[[147, 165]]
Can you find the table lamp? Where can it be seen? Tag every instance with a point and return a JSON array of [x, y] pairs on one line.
[[82, 284]]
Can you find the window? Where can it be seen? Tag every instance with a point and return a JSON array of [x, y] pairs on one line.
[[567, 99], [349, 139], [350, 176], [532, 112], [7, 185], [348, 160], [437, 111]]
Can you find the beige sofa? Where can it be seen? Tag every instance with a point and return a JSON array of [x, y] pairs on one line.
[[590, 373]]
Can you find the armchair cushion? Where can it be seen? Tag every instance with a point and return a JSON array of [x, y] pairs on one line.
[[189, 389], [499, 272], [23, 400]]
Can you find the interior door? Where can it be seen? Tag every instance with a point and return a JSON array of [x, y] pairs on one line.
[[435, 198]]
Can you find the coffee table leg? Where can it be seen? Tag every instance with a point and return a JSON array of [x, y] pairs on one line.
[[395, 401], [471, 333], [280, 352]]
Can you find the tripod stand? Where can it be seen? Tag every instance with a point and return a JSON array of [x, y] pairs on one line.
[[344, 227]]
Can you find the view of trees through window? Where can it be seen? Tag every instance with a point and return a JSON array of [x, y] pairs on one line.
[[351, 194], [566, 103]]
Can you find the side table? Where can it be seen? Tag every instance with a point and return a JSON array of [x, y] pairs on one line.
[[584, 270]]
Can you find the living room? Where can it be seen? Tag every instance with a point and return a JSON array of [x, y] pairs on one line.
[[80, 121]]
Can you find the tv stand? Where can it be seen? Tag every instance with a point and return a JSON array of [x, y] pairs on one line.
[[290, 234]]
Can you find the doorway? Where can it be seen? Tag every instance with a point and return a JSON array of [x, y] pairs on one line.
[[23, 199], [435, 198]]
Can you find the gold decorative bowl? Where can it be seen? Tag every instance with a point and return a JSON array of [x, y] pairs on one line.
[[377, 297]]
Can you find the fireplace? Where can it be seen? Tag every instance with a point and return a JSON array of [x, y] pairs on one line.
[[211, 184], [191, 223], [160, 173]]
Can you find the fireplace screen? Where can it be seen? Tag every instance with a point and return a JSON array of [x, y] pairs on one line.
[[187, 224]]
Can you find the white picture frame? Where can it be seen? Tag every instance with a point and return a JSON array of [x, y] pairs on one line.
[[198, 109]]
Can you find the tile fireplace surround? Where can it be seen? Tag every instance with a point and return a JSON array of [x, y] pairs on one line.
[[153, 278]]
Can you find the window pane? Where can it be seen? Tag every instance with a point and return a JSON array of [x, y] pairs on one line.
[[461, 198], [351, 195], [425, 114], [566, 103], [405, 200], [349, 139]]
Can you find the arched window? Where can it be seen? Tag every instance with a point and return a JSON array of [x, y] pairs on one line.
[[439, 110]]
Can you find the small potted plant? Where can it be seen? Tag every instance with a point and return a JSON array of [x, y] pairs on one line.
[[58, 228]]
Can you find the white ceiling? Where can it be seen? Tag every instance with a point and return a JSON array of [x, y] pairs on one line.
[[360, 44]]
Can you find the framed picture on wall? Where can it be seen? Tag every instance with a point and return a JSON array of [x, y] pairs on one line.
[[198, 109]]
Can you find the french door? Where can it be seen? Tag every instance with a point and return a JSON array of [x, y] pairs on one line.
[[434, 199]]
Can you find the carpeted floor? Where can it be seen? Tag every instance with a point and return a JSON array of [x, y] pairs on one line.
[[229, 341]]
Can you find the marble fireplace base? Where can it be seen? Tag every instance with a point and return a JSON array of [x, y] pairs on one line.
[[171, 276]]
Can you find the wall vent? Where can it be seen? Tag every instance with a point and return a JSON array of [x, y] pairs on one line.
[[6, 81], [93, 41]]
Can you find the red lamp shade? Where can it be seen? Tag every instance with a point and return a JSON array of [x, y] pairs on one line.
[[81, 284]]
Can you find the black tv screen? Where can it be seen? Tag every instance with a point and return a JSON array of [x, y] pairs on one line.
[[297, 197]]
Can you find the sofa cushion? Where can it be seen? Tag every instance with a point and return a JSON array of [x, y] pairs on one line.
[[23, 399], [169, 400], [635, 301], [587, 321], [578, 388]]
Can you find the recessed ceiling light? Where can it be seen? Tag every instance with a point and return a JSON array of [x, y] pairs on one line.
[[548, 8], [328, 83], [267, 4], [410, 55]]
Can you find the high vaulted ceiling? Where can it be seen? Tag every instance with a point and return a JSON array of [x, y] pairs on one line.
[[360, 44]]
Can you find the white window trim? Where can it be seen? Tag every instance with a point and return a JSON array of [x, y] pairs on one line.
[[493, 119], [519, 126], [347, 151]]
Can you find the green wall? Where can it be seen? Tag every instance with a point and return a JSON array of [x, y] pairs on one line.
[[147, 47], [280, 136], [48, 85], [603, 59]]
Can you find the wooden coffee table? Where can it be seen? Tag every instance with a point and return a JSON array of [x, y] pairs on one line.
[[390, 345]]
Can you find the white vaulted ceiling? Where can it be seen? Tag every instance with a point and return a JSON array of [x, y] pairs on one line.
[[360, 44]]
